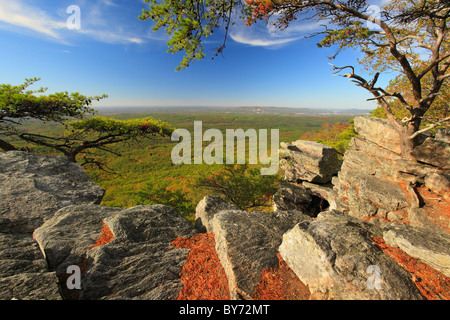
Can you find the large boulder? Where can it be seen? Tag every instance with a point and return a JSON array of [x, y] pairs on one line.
[[207, 208], [34, 187], [137, 261], [309, 161], [336, 258], [434, 152], [24, 272], [247, 243], [432, 248], [379, 131]]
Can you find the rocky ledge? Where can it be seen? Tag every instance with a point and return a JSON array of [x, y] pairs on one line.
[[353, 231]]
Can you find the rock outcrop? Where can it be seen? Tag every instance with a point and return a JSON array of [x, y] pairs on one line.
[[309, 161], [336, 257], [375, 183], [52, 225], [373, 226], [33, 188]]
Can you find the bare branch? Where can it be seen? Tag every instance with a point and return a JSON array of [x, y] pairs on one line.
[[429, 127], [443, 77]]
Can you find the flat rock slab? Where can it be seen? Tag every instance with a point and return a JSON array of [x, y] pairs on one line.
[[432, 248], [309, 161], [34, 187]]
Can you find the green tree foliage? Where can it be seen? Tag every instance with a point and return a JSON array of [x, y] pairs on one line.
[[162, 194], [18, 104], [241, 185], [188, 22], [438, 111], [408, 37], [336, 135], [98, 133]]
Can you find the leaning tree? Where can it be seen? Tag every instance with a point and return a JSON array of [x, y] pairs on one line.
[[410, 37], [82, 131]]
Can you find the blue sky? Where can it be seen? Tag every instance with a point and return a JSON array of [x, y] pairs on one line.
[[117, 54]]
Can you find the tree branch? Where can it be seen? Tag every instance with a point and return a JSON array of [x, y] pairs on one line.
[[429, 127]]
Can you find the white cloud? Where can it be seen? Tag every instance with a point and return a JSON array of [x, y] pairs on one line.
[[266, 35], [260, 42], [17, 14], [19, 17]]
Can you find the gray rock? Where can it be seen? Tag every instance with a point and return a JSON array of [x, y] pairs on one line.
[[309, 161], [367, 195], [65, 238], [379, 131], [306, 198], [443, 134], [336, 258], [207, 208], [434, 152], [24, 273], [432, 248], [438, 183], [138, 263], [19, 253], [34, 187], [291, 196], [30, 286], [247, 243]]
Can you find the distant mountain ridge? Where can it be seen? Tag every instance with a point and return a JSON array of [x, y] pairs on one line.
[[238, 110]]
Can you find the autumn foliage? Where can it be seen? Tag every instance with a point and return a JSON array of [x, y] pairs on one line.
[[105, 238], [280, 283], [431, 283], [261, 10], [202, 275]]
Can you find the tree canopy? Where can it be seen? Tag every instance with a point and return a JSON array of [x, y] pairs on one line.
[[19, 103], [409, 37], [82, 133], [242, 185], [98, 133]]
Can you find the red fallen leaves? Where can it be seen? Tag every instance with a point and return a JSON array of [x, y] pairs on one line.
[[202, 275], [280, 283], [204, 278], [106, 236], [432, 284]]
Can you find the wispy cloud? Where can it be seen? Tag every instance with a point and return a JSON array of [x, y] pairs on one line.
[[267, 35], [17, 14], [96, 22], [244, 38]]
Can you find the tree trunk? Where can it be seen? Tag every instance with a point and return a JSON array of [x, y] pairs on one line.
[[407, 144], [7, 146], [71, 156]]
